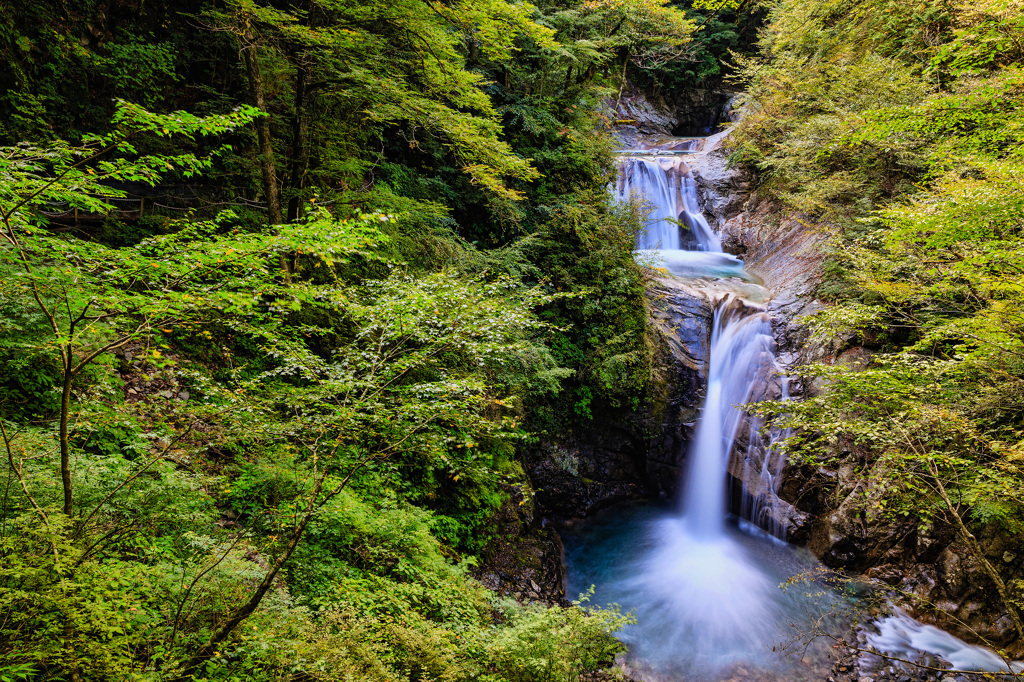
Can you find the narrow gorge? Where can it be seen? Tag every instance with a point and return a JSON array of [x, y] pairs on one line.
[[705, 568], [512, 341]]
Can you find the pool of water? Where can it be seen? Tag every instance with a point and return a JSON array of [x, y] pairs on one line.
[[695, 263], [706, 610]]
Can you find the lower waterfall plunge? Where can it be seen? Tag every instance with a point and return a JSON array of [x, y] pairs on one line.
[[706, 595]]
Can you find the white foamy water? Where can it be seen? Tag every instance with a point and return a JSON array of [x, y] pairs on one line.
[[666, 188], [742, 359], [901, 636], [707, 609]]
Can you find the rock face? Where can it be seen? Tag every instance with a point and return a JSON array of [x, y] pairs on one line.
[[701, 112], [943, 582], [724, 191], [637, 116], [524, 560], [640, 455], [783, 251], [835, 512]]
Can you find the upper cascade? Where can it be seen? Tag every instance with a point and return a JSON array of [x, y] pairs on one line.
[[664, 182]]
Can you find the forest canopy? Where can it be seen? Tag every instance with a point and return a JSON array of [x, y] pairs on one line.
[[286, 287]]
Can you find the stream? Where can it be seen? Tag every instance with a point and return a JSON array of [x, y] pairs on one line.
[[717, 597]]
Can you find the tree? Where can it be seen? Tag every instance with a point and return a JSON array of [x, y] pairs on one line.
[[66, 278], [428, 374], [385, 64]]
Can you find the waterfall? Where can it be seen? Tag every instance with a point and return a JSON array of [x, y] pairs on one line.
[[703, 589], [741, 369], [742, 362], [705, 594], [667, 189]]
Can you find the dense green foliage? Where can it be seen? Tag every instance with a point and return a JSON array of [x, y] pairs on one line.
[[285, 285], [896, 125], [725, 29]]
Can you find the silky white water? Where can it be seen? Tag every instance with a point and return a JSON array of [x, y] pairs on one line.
[[706, 608], [901, 636], [665, 188], [690, 264], [742, 360]]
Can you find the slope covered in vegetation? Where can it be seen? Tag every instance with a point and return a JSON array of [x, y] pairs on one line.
[[897, 127]]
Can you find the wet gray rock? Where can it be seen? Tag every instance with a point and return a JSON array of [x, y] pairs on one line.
[[724, 190], [700, 112], [682, 316], [638, 115]]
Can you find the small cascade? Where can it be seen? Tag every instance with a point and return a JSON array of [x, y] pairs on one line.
[[679, 238], [667, 188], [762, 473], [901, 636]]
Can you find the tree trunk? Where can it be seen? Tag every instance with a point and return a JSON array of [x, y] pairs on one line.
[[65, 441], [265, 141], [299, 154], [622, 79], [978, 553], [253, 602], [262, 123]]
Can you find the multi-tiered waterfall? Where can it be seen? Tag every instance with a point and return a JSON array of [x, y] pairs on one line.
[[706, 593], [742, 366]]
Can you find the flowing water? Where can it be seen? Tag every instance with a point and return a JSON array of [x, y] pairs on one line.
[[901, 636], [742, 364], [665, 186], [706, 608], [714, 597], [696, 263], [706, 593]]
